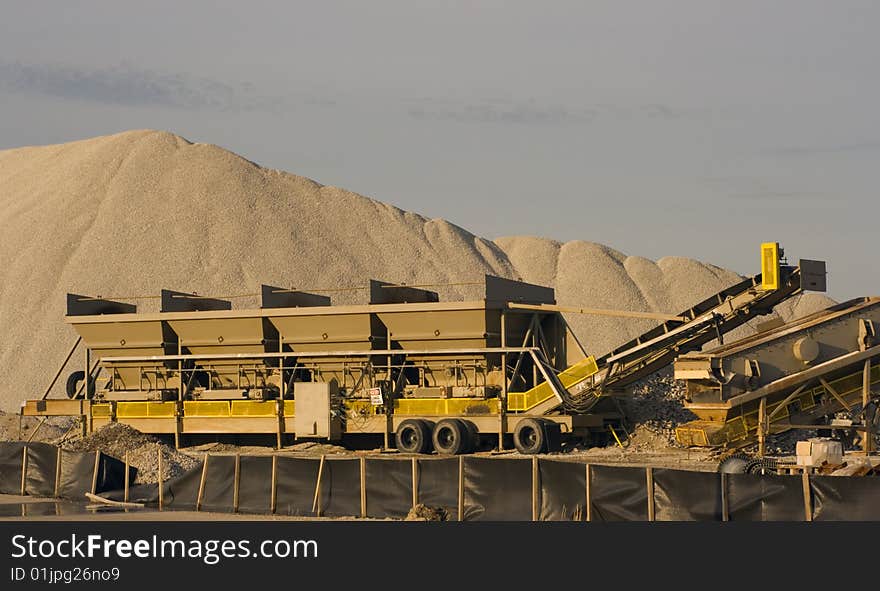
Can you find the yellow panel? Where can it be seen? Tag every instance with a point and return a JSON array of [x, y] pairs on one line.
[[445, 406], [206, 408], [289, 408], [770, 266], [360, 407], [253, 408], [577, 373], [102, 410], [144, 410]]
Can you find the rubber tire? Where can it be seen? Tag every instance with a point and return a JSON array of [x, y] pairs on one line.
[[761, 467], [530, 437], [474, 435], [73, 381], [553, 431], [735, 464], [451, 437], [413, 436]]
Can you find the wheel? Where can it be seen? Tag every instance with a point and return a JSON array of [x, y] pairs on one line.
[[451, 437], [735, 464], [554, 436], [474, 435], [73, 381], [761, 466], [413, 436], [530, 436]]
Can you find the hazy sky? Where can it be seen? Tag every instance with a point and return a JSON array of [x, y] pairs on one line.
[[693, 128]]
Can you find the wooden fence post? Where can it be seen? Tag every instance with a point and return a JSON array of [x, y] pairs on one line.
[[236, 483], [58, 473], [725, 501], [363, 466], [125, 496], [415, 482], [274, 499], [649, 481], [24, 466], [316, 503], [95, 472], [536, 489], [589, 510], [461, 488], [808, 507], [202, 480]]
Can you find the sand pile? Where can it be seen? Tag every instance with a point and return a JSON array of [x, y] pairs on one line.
[[129, 214], [115, 439]]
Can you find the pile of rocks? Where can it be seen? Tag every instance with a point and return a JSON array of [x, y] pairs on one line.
[[655, 408], [117, 439]]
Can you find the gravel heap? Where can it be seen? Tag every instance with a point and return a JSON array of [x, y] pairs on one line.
[[425, 513], [114, 439], [185, 213], [655, 409], [49, 431]]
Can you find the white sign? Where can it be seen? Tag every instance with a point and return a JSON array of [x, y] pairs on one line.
[[376, 397]]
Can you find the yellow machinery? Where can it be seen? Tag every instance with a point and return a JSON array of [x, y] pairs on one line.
[[430, 374]]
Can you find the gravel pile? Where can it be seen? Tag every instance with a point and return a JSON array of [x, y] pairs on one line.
[[655, 409], [185, 214], [425, 513], [115, 439], [49, 431]]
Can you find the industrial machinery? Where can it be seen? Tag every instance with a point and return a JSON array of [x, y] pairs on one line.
[[815, 372], [425, 373]]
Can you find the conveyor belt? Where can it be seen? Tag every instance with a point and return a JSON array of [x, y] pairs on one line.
[[710, 319]]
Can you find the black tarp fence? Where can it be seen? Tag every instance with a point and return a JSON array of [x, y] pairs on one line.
[[40, 469], [468, 488]]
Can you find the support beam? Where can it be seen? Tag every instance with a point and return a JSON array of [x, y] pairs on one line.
[[782, 405], [597, 311], [762, 427], [803, 377], [834, 393]]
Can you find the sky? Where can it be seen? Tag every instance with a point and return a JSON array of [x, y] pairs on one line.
[[676, 128]]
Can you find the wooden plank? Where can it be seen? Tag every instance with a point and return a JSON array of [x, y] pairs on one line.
[[725, 500], [274, 498], [236, 483], [536, 489], [808, 507], [316, 503], [415, 482], [363, 466], [125, 495], [461, 488], [101, 500], [24, 466], [589, 511], [58, 472], [95, 472], [161, 479], [202, 480]]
